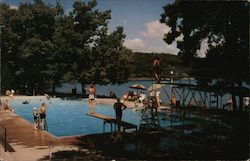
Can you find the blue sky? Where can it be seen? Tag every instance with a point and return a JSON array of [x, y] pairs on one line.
[[140, 19]]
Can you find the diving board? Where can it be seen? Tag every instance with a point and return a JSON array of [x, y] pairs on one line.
[[100, 116], [111, 121]]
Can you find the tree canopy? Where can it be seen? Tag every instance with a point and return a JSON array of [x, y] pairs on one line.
[[225, 26], [43, 46]]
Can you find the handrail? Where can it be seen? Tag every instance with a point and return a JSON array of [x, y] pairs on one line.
[[5, 138]]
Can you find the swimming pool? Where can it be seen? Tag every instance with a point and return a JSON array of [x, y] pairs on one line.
[[68, 117]]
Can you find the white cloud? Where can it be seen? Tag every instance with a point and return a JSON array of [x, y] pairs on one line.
[[151, 40], [161, 47], [13, 7], [155, 29], [134, 44], [179, 38], [203, 49], [151, 46]]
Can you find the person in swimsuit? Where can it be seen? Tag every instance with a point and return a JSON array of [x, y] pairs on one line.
[[35, 114], [158, 97], [118, 112], [43, 115], [6, 105], [92, 91], [157, 69]]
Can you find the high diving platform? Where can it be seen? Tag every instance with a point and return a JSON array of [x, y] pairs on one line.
[[112, 121]]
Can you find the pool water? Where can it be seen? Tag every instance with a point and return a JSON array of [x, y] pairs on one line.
[[68, 117]]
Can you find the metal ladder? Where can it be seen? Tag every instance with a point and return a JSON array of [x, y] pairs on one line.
[[149, 116]]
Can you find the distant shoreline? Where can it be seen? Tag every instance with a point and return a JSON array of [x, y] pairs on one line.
[[152, 79]]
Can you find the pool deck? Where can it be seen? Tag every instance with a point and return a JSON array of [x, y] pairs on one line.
[[25, 143], [129, 104]]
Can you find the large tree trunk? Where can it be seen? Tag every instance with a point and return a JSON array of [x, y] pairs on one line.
[[54, 88], [233, 97], [234, 102], [240, 97]]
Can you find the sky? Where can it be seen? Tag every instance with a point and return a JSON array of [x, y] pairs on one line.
[[140, 19]]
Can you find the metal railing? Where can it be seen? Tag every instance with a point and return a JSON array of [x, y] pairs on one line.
[[3, 137]]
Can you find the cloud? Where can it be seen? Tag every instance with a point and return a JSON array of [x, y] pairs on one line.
[[155, 29], [151, 46], [203, 49], [179, 38], [13, 7], [134, 44], [151, 40], [161, 47]]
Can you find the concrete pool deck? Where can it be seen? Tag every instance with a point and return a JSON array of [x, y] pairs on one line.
[[25, 143], [109, 101]]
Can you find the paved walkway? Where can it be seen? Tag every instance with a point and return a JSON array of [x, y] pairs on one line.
[[20, 131]]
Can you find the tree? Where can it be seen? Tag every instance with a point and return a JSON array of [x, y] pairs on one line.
[[112, 61], [26, 45], [42, 46], [35, 55], [9, 43], [224, 24], [97, 55]]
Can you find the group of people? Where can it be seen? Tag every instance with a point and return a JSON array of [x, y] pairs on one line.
[[229, 103], [36, 113], [131, 96], [42, 113], [157, 95]]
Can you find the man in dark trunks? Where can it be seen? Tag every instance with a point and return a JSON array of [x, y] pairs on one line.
[[119, 107]]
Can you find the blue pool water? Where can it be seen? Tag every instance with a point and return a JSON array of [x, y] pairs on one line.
[[68, 117]]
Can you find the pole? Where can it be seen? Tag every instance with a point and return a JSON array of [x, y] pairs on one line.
[[171, 83], [1, 60], [1, 26]]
